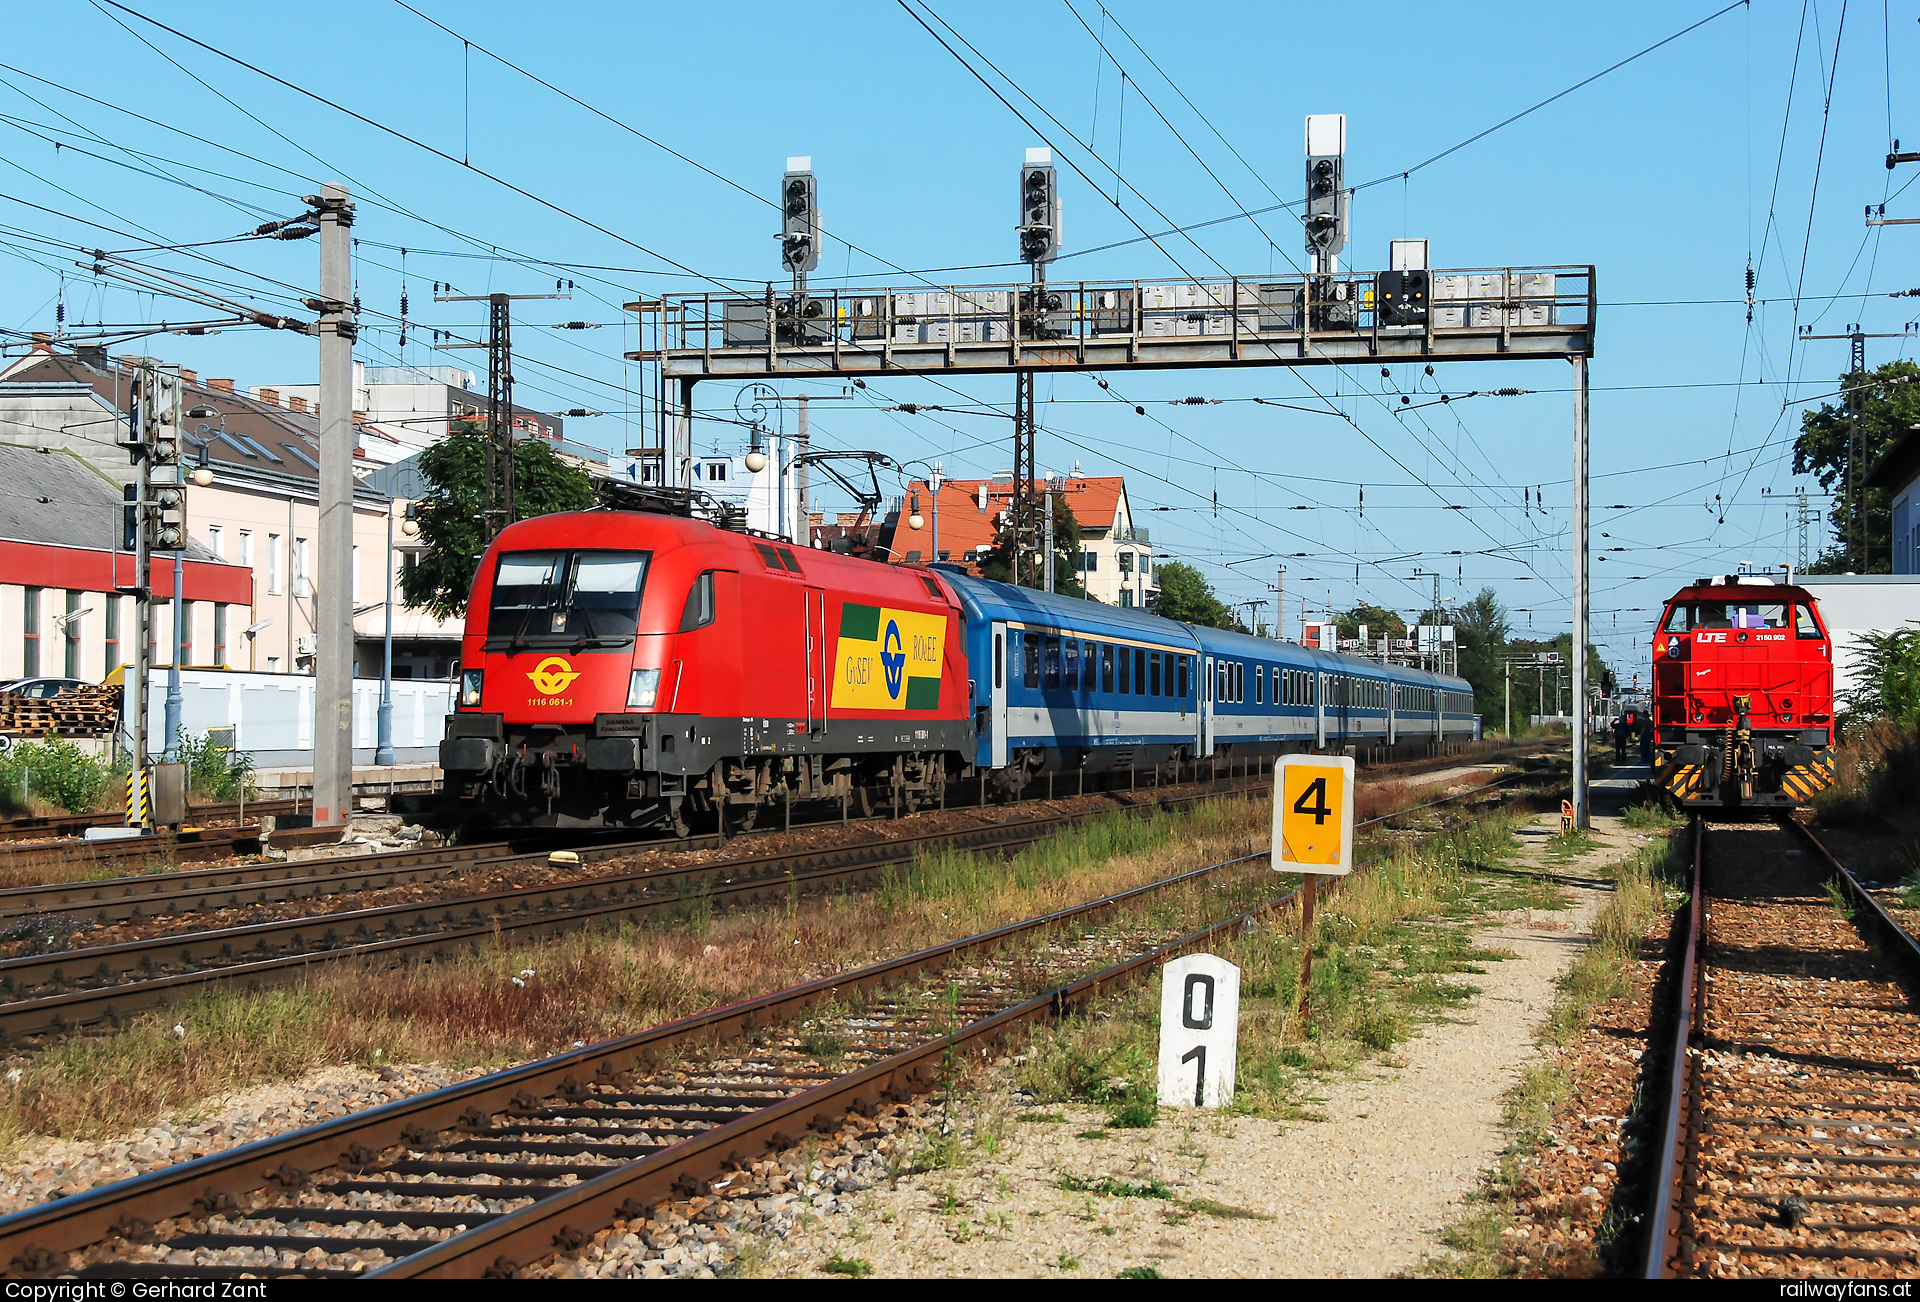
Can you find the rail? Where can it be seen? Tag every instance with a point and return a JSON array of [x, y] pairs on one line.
[[597, 1077]]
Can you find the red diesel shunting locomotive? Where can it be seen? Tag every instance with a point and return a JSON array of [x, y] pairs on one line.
[[626, 668], [1742, 695]]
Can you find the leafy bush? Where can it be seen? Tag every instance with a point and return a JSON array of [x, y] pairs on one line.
[[213, 773], [1886, 679], [54, 770]]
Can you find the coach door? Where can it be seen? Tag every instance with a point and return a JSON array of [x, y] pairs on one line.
[[1002, 668], [1206, 708], [816, 622]]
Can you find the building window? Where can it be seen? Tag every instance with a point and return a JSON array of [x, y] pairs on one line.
[[273, 562], [30, 635], [216, 542], [246, 548], [220, 634], [110, 659], [72, 629], [185, 610], [1145, 565], [1092, 560], [302, 585]]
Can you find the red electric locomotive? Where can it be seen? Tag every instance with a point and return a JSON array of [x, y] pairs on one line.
[[630, 668], [1742, 695]]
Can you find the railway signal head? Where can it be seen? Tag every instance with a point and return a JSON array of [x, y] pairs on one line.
[[1326, 216], [1039, 208], [800, 217]]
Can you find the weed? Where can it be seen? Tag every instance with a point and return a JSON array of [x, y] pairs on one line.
[[1089, 1134], [1838, 898], [1139, 1272], [1112, 1188], [1223, 1211], [851, 1267], [1067, 1261], [1652, 815], [1041, 1116], [1136, 1110], [53, 771]]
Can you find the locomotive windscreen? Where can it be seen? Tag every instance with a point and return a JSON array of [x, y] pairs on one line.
[[1689, 615], [551, 598]]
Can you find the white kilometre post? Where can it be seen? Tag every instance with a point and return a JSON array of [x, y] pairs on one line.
[[1199, 1031]]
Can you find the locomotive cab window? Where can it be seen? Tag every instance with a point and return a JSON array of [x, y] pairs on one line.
[[699, 611], [1803, 622], [550, 598]]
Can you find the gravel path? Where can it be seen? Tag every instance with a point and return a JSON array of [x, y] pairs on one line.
[[1362, 1193]]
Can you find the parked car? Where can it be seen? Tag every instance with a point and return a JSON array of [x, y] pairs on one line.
[[40, 688]]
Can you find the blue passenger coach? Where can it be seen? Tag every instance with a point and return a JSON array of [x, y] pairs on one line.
[[1063, 684]]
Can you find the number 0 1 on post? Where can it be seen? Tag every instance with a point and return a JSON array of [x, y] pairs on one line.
[[1313, 815]]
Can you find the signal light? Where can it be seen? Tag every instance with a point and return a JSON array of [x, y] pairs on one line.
[[1039, 226], [800, 229]]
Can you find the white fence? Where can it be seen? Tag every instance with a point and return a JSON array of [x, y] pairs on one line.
[[272, 714]]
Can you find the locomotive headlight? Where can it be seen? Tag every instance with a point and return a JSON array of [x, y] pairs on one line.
[[470, 681], [643, 689]]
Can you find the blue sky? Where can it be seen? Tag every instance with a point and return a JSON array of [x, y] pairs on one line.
[[1668, 175]]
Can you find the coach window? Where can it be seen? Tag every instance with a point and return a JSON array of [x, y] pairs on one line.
[[1031, 643], [1053, 661], [1803, 622], [1153, 673], [1219, 680], [999, 660], [1182, 662], [1139, 671], [1123, 676], [1106, 668], [1072, 683]]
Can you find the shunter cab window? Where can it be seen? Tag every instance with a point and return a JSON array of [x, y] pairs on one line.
[[550, 597], [1803, 622], [1687, 616]]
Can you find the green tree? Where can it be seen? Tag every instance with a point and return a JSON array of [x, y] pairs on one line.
[[1886, 677], [1889, 400], [1186, 595], [997, 563], [1482, 629], [456, 469], [1380, 622]]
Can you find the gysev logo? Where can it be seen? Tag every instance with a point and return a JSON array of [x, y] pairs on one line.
[[552, 676], [887, 659]]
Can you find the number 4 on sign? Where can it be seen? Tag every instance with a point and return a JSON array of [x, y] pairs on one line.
[[1199, 1031], [1313, 815]]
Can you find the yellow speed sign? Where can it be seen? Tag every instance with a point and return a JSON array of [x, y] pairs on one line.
[[1313, 815]]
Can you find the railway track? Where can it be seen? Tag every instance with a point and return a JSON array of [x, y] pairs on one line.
[[68, 989], [1790, 1143], [488, 1177]]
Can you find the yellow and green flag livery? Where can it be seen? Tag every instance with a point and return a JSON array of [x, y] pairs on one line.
[[887, 659]]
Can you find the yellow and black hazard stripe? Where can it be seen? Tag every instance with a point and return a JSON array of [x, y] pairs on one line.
[[139, 800], [1683, 781], [1803, 781]]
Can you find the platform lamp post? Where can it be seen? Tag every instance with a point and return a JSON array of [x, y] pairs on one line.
[[202, 476]]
